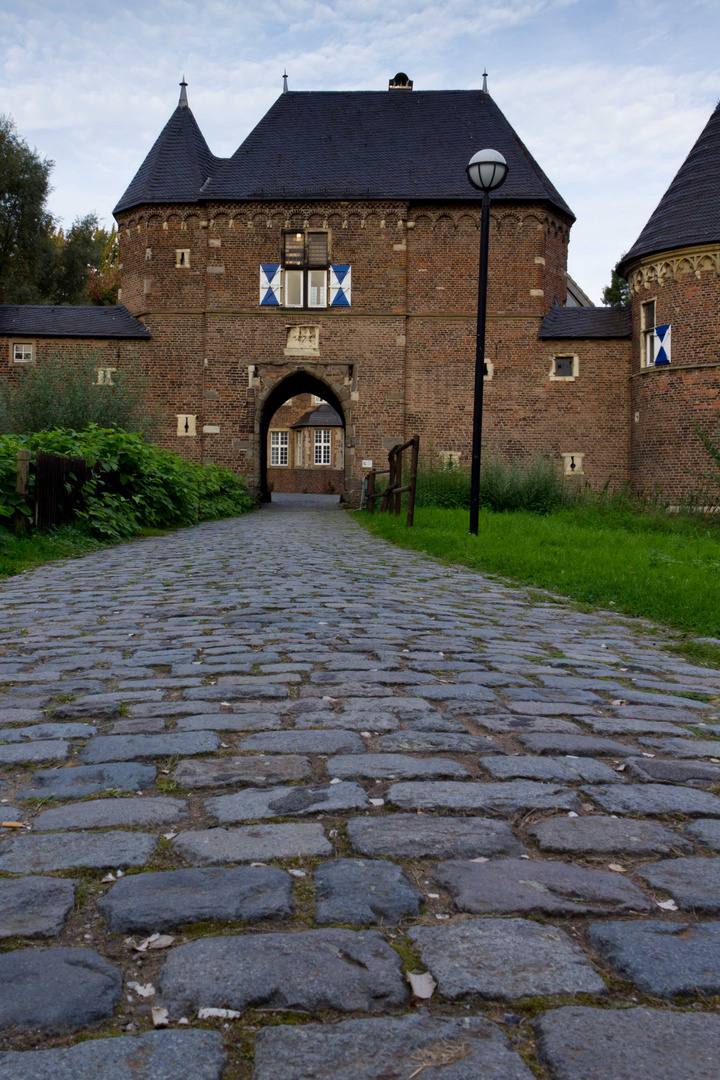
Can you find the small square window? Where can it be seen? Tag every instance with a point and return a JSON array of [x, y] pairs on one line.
[[182, 258], [23, 352], [105, 376], [573, 464], [564, 367], [278, 447]]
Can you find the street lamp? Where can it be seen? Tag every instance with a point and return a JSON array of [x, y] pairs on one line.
[[486, 171]]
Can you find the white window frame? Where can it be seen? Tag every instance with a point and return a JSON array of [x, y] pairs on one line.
[[279, 449], [22, 347], [289, 275], [648, 335], [322, 298], [299, 449], [182, 258], [323, 446]]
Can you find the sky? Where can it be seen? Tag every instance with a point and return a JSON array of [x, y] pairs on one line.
[[608, 96]]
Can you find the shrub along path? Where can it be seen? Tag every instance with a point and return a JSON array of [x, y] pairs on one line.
[[328, 773]]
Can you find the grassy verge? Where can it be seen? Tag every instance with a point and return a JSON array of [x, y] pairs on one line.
[[649, 564], [19, 553]]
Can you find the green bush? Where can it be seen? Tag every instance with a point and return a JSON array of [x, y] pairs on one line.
[[538, 486], [33, 402], [134, 484]]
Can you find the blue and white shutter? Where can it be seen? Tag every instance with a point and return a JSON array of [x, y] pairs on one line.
[[340, 286], [663, 335], [270, 284]]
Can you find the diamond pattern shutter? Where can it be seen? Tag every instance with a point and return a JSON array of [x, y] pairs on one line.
[[270, 284], [340, 286]]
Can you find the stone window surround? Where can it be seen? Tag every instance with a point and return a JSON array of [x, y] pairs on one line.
[[105, 376], [573, 464], [186, 425], [182, 258], [22, 344], [305, 270], [564, 378], [647, 333]]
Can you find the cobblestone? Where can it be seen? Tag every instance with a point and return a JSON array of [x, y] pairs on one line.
[[249, 670]]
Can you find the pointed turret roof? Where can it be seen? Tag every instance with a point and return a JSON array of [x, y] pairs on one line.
[[689, 211], [178, 164]]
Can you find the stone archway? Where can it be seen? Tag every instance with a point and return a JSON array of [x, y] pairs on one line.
[[292, 385]]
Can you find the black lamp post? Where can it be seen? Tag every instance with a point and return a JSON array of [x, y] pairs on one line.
[[486, 171]]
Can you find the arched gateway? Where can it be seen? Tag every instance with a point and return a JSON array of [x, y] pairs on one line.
[[297, 383]]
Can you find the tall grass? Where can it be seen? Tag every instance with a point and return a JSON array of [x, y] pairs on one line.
[[537, 487]]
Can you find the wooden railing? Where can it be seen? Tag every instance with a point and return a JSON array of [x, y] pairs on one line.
[[391, 497]]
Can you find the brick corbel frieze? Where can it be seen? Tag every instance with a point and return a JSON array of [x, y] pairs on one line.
[[674, 265]]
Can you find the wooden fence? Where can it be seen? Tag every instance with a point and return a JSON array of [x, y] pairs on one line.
[[391, 497], [59, 482]]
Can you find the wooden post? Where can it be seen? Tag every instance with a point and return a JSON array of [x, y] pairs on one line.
[[370, 493], [22, 481], [398, 483], [413, 480], [387, 493]]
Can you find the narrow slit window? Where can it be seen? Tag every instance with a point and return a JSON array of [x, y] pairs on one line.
[[182, 258]]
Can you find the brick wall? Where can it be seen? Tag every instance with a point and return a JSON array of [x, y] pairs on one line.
[[399, 361], [666, 454]]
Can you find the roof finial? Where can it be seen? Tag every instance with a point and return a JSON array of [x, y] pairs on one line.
[[285, 85], [183, 93], [485, 89]]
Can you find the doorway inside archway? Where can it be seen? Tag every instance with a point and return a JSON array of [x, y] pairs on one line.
[[302, 438]]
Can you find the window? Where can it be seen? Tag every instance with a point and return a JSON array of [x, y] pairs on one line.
[[299, 450], [573, 464], [317, 400], [564, 367], [182, 257], [322, 446], [186, 425], [649, 340], [105, 376], [305, 261], [23, 352], [278, 447]]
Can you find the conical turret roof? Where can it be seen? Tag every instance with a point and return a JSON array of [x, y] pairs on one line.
[[177, 166], [689, 211]]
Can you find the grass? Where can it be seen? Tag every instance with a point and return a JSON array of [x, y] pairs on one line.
[[20, 553], [652, 564]]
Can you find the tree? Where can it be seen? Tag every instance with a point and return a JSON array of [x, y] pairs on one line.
[[79, 266], [24, 220], [617, 293]]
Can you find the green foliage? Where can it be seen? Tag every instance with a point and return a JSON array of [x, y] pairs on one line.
[[31, 402], [78, 266], [24, 220], [134, 484], [538, 486], [713, 448], [617, 293], [600, 551]]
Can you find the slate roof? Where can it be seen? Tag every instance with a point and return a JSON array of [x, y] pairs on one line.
[[586, 322], [92, 321], [176, 167], [689, 211], [389, 144], [324, 416]]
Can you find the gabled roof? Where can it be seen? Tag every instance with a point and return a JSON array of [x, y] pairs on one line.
[[385, 144], [689, 211], [176, 167], [342, 144], [36, 320], [586, 322], [324, 416]]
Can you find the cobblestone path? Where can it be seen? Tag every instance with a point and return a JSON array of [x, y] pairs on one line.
[[274, 767]]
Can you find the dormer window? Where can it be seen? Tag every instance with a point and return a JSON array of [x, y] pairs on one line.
[[305, 264]]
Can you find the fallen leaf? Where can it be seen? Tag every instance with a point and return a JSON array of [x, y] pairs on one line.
[[667, 905], [335, 780], [108, 877], [617, 868], [297, 873], [159, 1017], [377, 802], [422, 984], [571, 813], [162, 941], [220, 1014], [148, 990], [480, 858], [440, 1053]]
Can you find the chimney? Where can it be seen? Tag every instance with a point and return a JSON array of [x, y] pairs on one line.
[[400, 82]]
